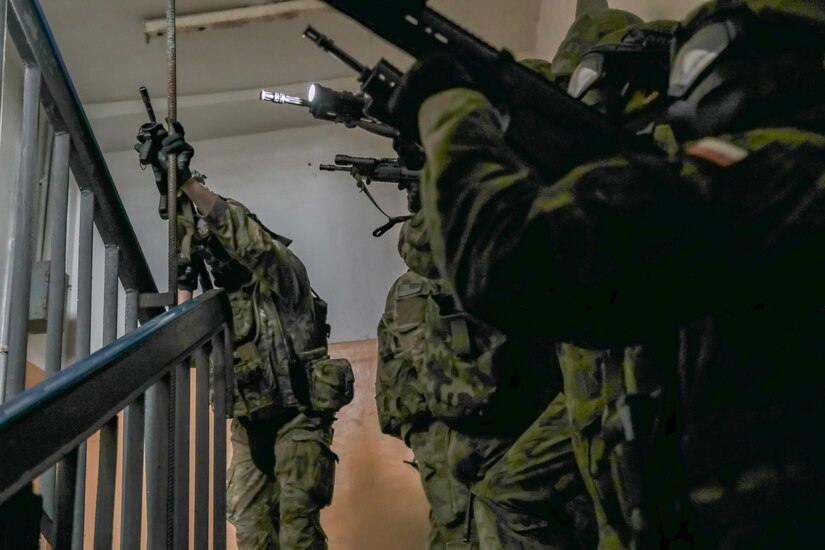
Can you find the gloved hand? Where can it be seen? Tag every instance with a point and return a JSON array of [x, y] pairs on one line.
[[175, 144], [150, 137], [187, 274], [436, 72]]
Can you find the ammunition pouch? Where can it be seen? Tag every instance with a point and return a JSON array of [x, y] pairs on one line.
[[322, 384]]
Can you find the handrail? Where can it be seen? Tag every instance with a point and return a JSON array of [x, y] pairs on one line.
[[70, 406], [33, 38]]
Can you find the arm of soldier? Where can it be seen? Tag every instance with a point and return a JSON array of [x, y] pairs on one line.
[[592, 255], [247, 242]]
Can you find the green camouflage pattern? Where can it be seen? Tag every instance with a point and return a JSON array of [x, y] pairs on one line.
[[399, 392], [277, 302], [447, 496], [541, 66], [591, 380], [282, 510], [806, 13], [586, 31], [532, 497], [615, 256], [414, 247]]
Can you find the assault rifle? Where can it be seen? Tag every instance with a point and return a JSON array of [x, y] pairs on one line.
[[366, 170], [371, 169], [334, 106], [551, 130]]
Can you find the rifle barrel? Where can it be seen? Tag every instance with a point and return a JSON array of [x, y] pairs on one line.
[[147, 102], [325, 43], [334, 168]]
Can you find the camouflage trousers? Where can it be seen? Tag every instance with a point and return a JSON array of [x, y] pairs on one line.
[[282, 510], [528, 492], [448, 498]]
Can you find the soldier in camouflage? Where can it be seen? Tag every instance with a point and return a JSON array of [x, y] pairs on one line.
[[702, 265], [287, 390], [400, 394], [455, 389]]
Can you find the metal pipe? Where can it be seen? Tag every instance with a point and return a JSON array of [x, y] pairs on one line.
[[65, 487], [85, 255], [201, 526], [181, 455], [21, 264], [107, 464], [222, 361], [157, 463], [58, 212], [45, 147], [4, 297], [58, 207], [133, 433], [172, 173]]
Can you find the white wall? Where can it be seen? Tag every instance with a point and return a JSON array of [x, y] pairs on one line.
[[276, 175]]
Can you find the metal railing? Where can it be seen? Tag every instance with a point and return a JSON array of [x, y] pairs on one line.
[[48, 423], [160, 416]]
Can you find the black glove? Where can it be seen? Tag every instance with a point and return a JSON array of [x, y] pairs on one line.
[[175, 144], [150, 137], [410, 154], [188, 272], [434, 73]]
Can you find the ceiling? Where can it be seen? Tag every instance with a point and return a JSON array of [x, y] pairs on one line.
[[220, 72]]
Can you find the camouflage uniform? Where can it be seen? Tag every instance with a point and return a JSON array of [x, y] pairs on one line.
[[273, 310], [706, 260], [491, 393], [400, 395]]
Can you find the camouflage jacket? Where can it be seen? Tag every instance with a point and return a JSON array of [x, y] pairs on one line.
[[276, 304], [709, 260]]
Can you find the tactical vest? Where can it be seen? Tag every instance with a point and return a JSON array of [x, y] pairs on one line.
[[477, 380]]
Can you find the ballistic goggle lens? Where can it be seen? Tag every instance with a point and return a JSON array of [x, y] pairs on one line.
[[587, 73], [697, 54]]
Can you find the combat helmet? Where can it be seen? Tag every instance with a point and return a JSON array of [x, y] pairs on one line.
[[739, 64], [585, 32], [626, 72]]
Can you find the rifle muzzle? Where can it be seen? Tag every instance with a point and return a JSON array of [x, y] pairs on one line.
[[283, 99]]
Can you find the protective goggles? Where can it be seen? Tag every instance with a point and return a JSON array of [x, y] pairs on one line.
[[589, 71], [698, 54]]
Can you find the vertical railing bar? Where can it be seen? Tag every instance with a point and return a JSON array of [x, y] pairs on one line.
[[58, 209], [65, 489], [45, 146], [201, 525], [4, 292], [85, 255], [157, 463], [21, 264], [222, 360], [107, 465], [181, 456], [133, 433]]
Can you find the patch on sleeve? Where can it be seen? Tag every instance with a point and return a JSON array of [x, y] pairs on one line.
[[409, 289], [718, 152]]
